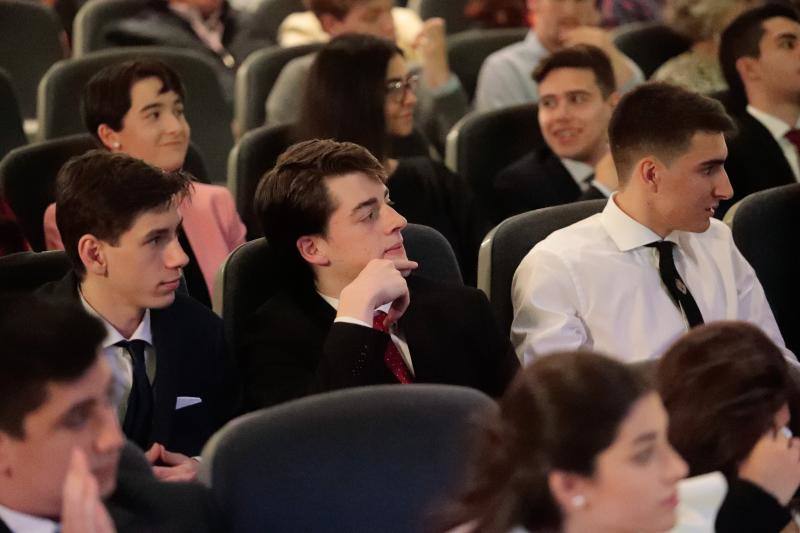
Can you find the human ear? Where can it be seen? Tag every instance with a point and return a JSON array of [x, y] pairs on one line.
[[569, 490], [91, 250], [109, 137], [312, 250], [5, 455], [747, 67]]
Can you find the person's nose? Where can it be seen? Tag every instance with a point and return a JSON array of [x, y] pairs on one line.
[[394, 220], [677, 468], [723, 188], [175, 256], [109, 437]]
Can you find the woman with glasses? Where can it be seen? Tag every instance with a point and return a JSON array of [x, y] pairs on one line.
[[359, 90]]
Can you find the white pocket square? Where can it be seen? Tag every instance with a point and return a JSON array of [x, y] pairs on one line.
[[186, 401]]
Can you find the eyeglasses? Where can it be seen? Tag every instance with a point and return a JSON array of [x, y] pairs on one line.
[[396, 90]]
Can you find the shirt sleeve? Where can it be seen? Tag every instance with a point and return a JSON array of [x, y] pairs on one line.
[[498, 85]]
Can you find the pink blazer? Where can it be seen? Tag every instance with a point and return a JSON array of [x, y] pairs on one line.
[[210, 221]]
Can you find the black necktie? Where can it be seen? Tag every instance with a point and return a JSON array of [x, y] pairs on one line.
[[674, 284], [139, 414]]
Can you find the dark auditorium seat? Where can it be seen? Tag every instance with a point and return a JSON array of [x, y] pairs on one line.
[[12, 133], [452, 11], [650, 44], [88, 31], [268, 16], [27, 271], [370, 459]]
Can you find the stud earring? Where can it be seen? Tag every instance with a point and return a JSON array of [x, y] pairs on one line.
[[579, 501], [115, 145]]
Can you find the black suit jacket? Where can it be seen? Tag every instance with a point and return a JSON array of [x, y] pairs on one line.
[[191, 360], [538, 179], [4, 527], [292, 347], [755, 161]]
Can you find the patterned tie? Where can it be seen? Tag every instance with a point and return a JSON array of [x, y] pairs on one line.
[[139, 414], [392, 358], [794, 138], [675, 286]]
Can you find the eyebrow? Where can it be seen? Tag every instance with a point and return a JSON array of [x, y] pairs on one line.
[[366, 203], [157, 232], [786, 35], [83, 405], [645, 438], [712, 163]]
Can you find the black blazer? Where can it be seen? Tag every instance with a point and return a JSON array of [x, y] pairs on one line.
[[292, 348], [191, 360], [755, 161], [538, 179]]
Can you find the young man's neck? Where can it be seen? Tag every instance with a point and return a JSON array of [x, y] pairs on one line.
[[331, 288], [787, 110], [635, 207], [125, 318]]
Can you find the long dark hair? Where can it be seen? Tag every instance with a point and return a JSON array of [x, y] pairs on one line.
[[345, 93], [722, 384], [559, 413]]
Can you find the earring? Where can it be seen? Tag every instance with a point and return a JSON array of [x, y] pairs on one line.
[[115, 145], [579, 501]]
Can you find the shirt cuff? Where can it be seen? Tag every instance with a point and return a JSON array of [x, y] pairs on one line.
[[351, 320]]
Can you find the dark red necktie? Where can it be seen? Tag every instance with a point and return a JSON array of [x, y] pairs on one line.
[[794, 138], [392, 357]]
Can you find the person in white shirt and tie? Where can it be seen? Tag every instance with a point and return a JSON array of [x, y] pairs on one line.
[[630, 280]]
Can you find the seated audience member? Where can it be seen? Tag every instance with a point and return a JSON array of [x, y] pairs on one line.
[[578, 443], [442, 99], [119, 220], [136, 108], [576, 98], [702, 21], [211, 27], [60, 441], [730, 397], [360, 90], [630, 280], [349, 310], [758, 57], [505, 77]]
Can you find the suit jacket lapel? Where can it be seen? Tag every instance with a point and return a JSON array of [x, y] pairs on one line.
[[556, 180], [4, 527], [165, 396], [760, 141], [421, 336]]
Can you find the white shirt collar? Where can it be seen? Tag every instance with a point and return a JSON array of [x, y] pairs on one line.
[[626, 232], [24, 523], [334, 302], [143, 331], [579, 171], [777, 128]]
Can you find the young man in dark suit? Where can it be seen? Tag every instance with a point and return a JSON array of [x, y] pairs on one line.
[[350, 312], [62, 460], [760, 57], [119, 219], [577, 95]]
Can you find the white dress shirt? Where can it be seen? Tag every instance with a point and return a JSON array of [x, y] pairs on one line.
[[580, 172], [395, 334], [596, 285], [24, 523], [778, 129]]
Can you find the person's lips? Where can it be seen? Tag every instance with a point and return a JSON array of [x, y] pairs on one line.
[[170, 285], [671, 501], [397, 249]]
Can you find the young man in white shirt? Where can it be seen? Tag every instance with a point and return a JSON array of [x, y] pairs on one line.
[[760, 57], [630, 280]]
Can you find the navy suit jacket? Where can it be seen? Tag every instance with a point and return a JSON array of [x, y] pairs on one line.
[[292, 347], [755, 161], [191, 360]]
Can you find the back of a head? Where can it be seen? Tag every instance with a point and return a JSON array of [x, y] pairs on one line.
[[107, 96], [660, 119], [345, 93], [102, 193], [581, 56], [43, 341], [742, 38], [722, 384], [559, 413]]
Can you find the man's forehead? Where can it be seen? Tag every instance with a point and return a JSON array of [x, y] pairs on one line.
[[566, 79], [155, 218], [779, 25], [61, 396], [353, 188], [143, 96]]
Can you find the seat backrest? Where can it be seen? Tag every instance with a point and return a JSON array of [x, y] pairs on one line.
[[467, 50], [27, 271], [30, 41], [88, 29], [363, 459], [650, 44], [255, 79], [484, 143], [12, 133], [206, 110], [267, 17], [28, 175], [764, 228], [452, 11], [507, 244]]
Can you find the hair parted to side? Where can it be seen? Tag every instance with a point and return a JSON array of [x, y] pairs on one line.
[[43, 341], [742, 38], [584, 56], [722, 384], [102, 193], [292, 199], [660, 119], [345, 93], [107, 96], [559, 413]]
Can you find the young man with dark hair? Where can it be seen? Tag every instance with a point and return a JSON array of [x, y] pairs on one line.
[[505, 76], [630, 280], [442, 101], [760, 57], [577, 94], [62, 461], [119, 220], [349, 311]]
